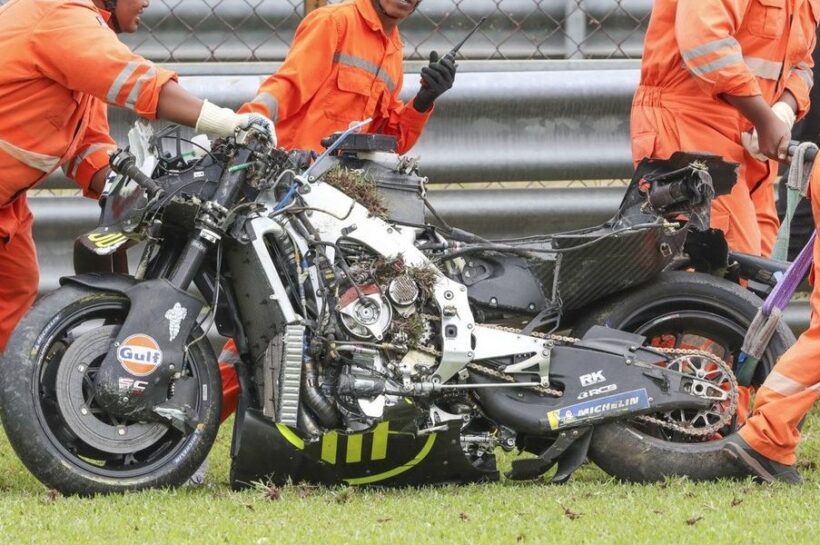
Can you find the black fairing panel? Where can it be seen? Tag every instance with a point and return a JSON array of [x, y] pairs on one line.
[[389, 455]]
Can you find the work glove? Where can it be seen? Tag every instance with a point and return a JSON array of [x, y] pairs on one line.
[[436, 78], [750, 140], [225, 122]]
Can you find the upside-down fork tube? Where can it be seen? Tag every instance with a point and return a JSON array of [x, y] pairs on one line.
[[151, 343]]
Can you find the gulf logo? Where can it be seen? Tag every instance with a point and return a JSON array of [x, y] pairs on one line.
[[140, 355]]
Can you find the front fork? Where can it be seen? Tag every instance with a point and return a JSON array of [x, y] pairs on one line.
[[134, 380]]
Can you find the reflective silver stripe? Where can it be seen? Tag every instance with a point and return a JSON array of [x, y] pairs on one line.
[[44, 163], [715, 65], [782, 384], [133, 96], [710, 47], [270, 101], [805, 74], [116, 87], [350, 60], [763, 68], [78, 160], [815, 388], [229, 357]]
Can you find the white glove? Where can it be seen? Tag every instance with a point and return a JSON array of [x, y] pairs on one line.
[[226, 122], [749, 140]]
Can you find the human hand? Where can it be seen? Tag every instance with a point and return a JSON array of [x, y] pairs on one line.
[[436, 78], [771, 139]]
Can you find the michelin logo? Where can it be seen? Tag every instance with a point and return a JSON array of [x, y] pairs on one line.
[[624, 402]]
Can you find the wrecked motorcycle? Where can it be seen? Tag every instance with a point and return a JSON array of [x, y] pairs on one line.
[[375, 348]]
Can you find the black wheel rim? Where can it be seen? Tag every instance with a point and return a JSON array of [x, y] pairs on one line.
[[52, 344]]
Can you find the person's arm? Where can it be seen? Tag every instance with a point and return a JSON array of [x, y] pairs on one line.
[[705, 31], [403, 120], [75, 48], [305, 70], [773, 133], [89, 165]]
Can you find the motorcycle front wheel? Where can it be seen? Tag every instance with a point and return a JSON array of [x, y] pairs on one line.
[[679, 310], [48, 411]]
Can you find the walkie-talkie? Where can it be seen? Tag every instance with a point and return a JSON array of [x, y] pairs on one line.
[[454, 51]]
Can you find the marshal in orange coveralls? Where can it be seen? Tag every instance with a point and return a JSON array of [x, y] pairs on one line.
[[57, 58], [60, 63], [696, 53], [343, 66], [766, 445]]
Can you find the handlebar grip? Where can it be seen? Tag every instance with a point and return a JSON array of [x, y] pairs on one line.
[[810, 154], [123, 163]]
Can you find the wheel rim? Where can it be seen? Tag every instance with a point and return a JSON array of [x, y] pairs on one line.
[[51, 347], [710, 329]]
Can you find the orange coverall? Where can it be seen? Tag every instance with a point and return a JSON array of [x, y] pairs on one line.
[[341, 68], [793, 385], [696, 50], [61, 64]]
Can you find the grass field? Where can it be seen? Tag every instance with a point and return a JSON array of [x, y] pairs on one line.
[[592, 508]]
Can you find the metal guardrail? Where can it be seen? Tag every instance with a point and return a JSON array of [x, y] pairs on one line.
[[501, 122]]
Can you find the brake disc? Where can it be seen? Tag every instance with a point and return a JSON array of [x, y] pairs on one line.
[[90, 423]]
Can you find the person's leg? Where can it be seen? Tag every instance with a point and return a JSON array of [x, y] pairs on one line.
[[19, 272], [794, 384]]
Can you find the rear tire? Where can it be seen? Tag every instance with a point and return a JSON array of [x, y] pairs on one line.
[[47, 438], [678, 306]]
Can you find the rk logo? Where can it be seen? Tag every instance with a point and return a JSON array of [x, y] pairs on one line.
[[593, 378]]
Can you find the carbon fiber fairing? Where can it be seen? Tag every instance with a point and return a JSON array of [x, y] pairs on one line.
[[601, 265]]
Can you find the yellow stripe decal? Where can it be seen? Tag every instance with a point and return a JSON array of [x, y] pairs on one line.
[[291, 437], [428, 446], [379, 449], [552, 417], [354, 448], [329, 442]]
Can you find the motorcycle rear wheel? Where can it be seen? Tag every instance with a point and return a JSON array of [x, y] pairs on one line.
[[678, 310], [57, 444]]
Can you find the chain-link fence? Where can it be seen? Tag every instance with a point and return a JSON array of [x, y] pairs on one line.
[[261, 30]]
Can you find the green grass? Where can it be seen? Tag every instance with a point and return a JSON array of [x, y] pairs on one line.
[[590, 509]]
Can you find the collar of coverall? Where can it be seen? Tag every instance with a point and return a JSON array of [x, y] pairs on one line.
[[368, 13], [106, 15]]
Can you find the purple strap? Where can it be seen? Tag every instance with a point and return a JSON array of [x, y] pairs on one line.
[[783, 291]]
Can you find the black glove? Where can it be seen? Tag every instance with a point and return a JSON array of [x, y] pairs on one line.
[[436, 78]]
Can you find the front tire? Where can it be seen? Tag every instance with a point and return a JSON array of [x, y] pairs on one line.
[[54, 442], [678, 310]]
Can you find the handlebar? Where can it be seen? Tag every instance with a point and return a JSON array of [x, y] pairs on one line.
[[123, 163]]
